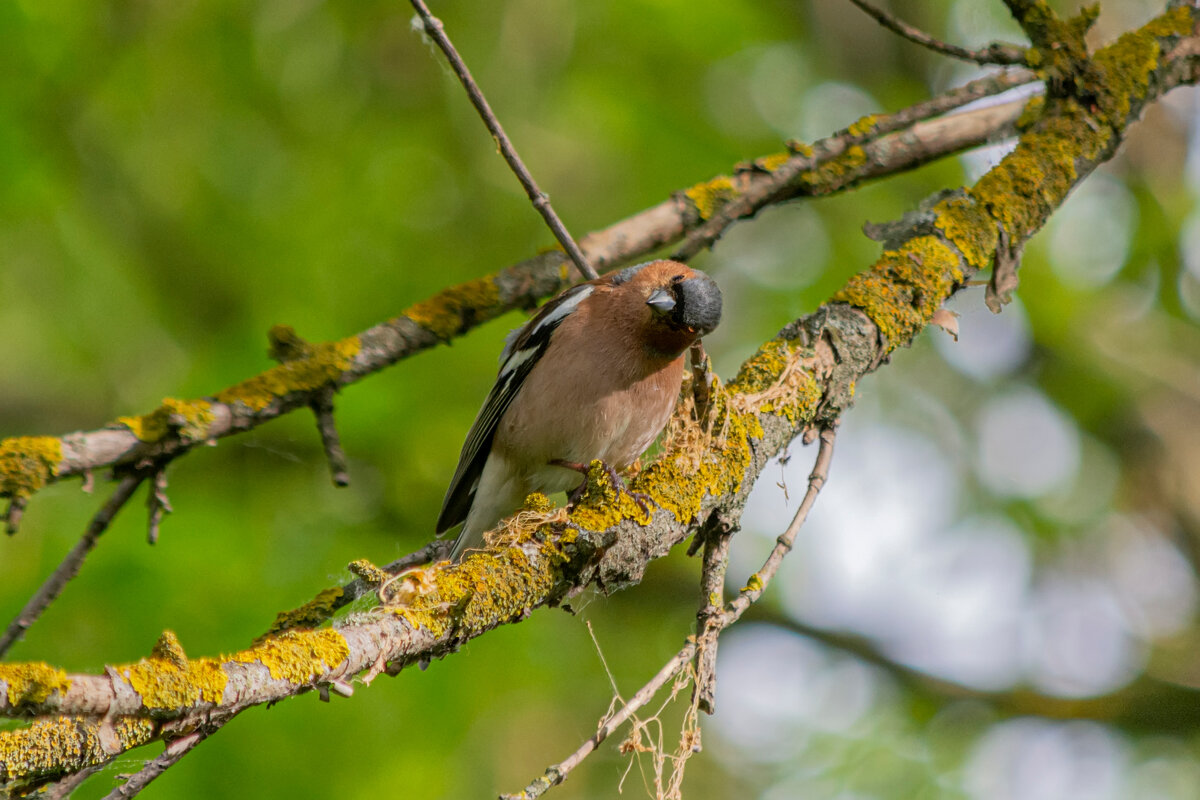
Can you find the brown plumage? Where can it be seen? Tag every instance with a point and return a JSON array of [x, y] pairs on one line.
[[594, 375]]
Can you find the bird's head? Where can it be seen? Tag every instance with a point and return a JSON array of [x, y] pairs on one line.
[[683, 304]]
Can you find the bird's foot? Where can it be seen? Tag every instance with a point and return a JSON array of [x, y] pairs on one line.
[[618, 483]]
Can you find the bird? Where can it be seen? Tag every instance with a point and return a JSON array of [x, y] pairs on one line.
[[594, 374]]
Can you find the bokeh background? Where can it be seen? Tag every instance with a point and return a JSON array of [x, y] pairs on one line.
[[996, 596]]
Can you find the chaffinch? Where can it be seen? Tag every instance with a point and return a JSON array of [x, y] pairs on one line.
[[593, 375]]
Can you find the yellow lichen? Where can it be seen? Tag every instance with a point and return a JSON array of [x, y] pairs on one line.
[[298, 656], [772, 162], [966, 226], [27, 463], [33, 682], [708, 197], [754, 584], [321, 607], [863, 126], [454, 310], [904, 287], [189, 418], [168, 683], [50, 747], [169, 648], [837, 172], [368, 571], [322, 365]]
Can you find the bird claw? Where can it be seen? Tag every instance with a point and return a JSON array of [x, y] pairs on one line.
[[618, 483]]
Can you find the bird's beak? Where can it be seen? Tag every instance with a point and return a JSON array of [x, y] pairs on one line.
[[661, 300]]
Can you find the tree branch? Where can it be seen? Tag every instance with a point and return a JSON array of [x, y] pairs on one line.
[[995, 53], [541, 201]]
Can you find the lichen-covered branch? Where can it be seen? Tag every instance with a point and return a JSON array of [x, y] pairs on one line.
[[803, 378], [875, 147]]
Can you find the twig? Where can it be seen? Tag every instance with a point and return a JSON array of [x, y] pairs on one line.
[[12, 517], [712, 594], [157, 503], [994, 53], [330, 440], [287, 346], [433, 26], [70, 565], [169, 757], [732, 611]]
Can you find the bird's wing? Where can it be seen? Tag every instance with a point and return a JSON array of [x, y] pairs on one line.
[[525, 346]]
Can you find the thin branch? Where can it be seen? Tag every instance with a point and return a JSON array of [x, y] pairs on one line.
[[557, 773], [158, 505], [175, 750], [436, 30], [70, 565], [994, 53], [12, 517], [712, 594], [881, 142], [331, 442]]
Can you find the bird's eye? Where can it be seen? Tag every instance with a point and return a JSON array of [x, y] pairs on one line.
[[677, 279]]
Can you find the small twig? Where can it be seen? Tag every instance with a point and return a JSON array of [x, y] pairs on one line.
[[708, 618], [70, 565], [994, 53], [158, 504], [334, 454], [436, 31], [286, 345], [12, 517], [732, 611], [175, 750]]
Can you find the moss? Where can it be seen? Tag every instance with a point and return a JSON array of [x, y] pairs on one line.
[[32, 683], [322, 365], [168, 680], [191, 419], [454, 310], [298, 656], [864, 126], [708, 197], [27, 463], [321, 607]]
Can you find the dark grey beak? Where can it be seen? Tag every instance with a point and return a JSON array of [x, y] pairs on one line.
[[661, 300]]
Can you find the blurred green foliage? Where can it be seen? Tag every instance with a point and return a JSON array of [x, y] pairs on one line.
[[180, 176]]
